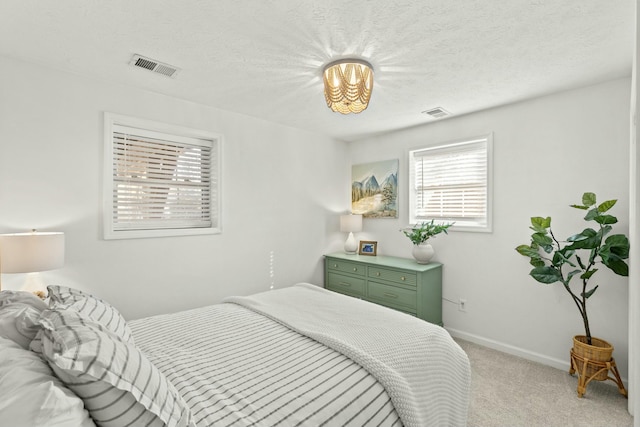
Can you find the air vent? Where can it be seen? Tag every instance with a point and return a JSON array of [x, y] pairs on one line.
[[436, 113], [153, 65]]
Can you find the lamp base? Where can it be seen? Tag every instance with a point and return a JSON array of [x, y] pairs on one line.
[[34, 283], [350, 246]]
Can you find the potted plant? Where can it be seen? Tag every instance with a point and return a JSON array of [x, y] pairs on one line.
[[419, 234], [578, 257]]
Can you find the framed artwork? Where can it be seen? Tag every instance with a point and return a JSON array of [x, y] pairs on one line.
[[368, 247], [374, 189]]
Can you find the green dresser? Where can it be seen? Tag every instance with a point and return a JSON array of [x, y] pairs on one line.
[[398, 283]]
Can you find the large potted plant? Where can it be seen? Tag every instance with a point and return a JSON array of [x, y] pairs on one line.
[[554, 261], [419, 234]]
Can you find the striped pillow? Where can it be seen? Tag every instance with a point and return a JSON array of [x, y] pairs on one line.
[[96, 308], [118, 384]]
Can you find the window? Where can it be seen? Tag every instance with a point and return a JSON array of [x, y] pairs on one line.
[[159, 179], [452, 182]]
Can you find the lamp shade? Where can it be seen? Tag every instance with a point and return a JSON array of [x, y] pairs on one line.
[[31, 252], [350, 223]]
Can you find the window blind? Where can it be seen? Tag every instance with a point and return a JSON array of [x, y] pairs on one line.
[[450, 182], [162, 181]]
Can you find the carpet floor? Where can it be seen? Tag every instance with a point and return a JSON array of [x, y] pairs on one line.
[[511, 391]]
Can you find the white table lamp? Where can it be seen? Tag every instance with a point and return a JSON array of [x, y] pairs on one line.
[[350, 224], [31, 253]]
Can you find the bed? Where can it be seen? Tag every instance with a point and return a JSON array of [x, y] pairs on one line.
[[300, 355]]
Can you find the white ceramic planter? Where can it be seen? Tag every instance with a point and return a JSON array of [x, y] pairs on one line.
[[423, 253]]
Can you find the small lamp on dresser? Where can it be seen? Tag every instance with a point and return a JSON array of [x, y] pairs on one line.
[[31, 253], [350, 224]]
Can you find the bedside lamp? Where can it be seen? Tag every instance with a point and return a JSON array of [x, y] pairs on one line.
[[350, 224], [31, 253]]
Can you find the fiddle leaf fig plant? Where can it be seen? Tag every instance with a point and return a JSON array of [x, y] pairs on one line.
[[555, 261]]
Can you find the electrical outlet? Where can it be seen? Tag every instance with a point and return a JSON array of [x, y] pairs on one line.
[[462, 304]]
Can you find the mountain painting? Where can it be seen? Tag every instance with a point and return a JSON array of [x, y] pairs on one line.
[[374, 189]]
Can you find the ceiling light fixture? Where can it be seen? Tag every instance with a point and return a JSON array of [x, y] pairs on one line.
[[347, 85]]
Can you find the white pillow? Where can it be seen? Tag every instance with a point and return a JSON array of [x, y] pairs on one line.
[[118, 384], [19, 315], [96, 308], [11, 297], [30, 394]]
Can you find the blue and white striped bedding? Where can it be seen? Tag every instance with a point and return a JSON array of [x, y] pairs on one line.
[[235, 367]]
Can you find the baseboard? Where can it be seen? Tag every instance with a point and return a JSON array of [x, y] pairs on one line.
[[515, 351]]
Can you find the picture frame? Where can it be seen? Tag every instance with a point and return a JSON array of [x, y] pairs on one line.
[[374, 189], [368, 247]]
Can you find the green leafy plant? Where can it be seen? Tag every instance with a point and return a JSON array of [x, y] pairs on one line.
[[420, 233], [577, 257]]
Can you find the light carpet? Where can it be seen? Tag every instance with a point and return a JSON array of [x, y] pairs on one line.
[[511, 391]]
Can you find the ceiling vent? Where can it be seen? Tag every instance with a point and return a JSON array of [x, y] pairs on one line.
[[153, 65], [437, 113]]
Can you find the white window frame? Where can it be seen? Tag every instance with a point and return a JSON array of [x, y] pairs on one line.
[[460, 224], [114, 122]]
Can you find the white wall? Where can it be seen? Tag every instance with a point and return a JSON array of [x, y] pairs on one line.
[[283, 189], [547, 152], [280, 195]]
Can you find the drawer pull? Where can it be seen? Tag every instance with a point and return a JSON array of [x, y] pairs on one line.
[[377, 273], [345, 284], [403, 278], [355, 269], [335, 265], [390, 295]]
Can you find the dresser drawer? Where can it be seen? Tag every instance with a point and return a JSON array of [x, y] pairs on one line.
[[397, 283], [346, 284], [398, 276], [346, 267], [392, 295]]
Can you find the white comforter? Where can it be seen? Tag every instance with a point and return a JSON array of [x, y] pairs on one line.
[[238, 368], [426, 374]]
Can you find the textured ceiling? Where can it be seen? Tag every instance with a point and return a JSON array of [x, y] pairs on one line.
[[264, 58]]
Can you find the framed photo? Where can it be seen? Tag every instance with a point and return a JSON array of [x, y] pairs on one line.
[[368, 247]]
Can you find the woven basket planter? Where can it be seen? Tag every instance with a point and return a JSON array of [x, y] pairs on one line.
[[598, 351]]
